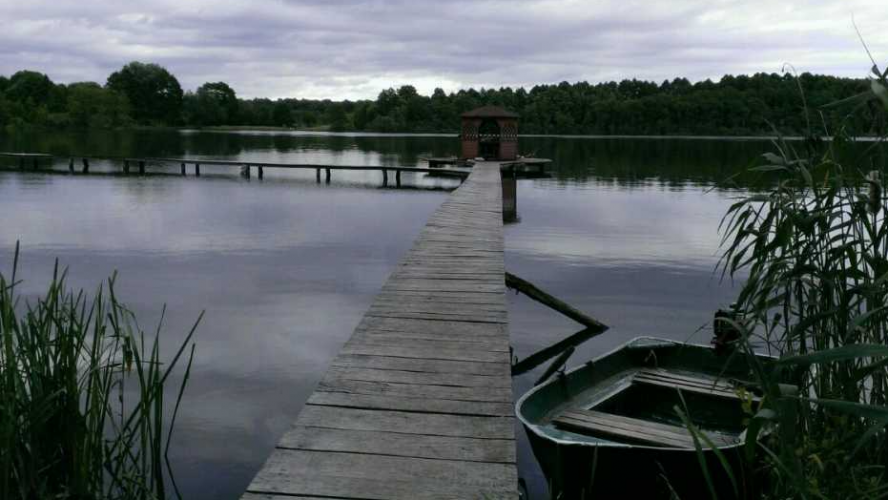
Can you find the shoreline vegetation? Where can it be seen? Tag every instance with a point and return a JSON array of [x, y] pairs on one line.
[[147, 95], [82, 396]]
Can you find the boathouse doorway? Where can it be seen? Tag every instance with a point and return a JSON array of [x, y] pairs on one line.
[[489, 139]]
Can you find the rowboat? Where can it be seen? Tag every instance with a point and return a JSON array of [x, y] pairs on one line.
[[613, 427]]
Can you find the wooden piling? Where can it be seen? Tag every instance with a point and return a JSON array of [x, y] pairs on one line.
[[328, 176], [141, 168], [126, 167], [85, 165], [197, 169], [183, 170], [260, 172], [398, 178], [385, 178], [71, 165], [318, 175]]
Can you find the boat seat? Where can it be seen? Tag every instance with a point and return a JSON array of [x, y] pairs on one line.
[[634, 430], [709, 387]]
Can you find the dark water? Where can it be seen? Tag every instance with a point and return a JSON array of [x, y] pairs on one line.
[[626, 230]]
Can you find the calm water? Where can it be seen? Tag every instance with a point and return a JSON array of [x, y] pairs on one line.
[[626, 230]]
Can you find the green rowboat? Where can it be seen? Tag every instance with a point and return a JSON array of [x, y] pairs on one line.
[[610, 429]]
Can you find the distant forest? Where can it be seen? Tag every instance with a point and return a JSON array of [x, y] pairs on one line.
[[142, 94]]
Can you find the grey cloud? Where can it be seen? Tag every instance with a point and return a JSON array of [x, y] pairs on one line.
[[354, 48]]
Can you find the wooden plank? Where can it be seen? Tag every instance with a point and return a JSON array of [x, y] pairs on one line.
[[431, 424], [489, 394], [654, 433], [425, 405], [404, 445], [417, 378], [374, 477]]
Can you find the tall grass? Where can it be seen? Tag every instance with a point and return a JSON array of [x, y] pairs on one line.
[[82, 397], [815, 248]]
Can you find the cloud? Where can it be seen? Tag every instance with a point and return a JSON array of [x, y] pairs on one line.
[[354, 48]]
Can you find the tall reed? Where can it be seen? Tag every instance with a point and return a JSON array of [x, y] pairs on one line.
[[815, 248], [82, 411]]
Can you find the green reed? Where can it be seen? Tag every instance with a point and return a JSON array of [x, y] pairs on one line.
[[815, 248], [82, 411]]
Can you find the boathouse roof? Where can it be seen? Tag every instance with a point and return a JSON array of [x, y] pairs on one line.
[[489, 112]]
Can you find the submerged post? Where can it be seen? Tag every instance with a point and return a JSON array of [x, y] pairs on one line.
[[328, 176], [141, 168], [197, 169], [398, 178], [183, 169], [260, 172], [318, 175], [85, 166], [385, 178], [70, 164]]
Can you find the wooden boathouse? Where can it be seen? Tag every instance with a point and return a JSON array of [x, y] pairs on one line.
[[418, 404], [489, 132]]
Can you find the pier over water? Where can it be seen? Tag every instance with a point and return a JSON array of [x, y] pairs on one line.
[[418, 404]]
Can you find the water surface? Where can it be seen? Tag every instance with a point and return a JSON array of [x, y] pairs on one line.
[[626, 230]]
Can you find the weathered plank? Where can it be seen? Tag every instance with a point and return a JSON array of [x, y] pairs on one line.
[[418, 403]]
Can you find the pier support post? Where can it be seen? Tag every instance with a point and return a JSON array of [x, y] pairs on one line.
[[71, 165], [261, 174], [183, 170], [85, 166], [398, 178], [245, 171], [197, 169], [141, 168], [328, 176], [318, 175], [385, 178], [126, 167]]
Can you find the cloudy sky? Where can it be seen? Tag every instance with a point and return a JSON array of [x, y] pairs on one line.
[[354, 48]]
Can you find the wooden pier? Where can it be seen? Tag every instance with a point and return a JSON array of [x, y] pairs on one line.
[[418, 404], [245, 167]]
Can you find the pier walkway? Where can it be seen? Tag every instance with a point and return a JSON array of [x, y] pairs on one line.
[[418, 404]]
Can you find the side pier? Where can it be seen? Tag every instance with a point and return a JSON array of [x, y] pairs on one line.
[[418, 404]]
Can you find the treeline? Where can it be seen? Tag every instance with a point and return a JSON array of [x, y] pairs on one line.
[[141, 94]]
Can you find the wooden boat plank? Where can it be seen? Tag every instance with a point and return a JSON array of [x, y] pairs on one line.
[[637, 433], [689, 388], [641, 429]]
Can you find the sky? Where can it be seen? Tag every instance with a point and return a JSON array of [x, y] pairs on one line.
[[353, 49]]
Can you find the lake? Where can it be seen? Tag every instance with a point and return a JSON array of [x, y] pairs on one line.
[[625, 230]]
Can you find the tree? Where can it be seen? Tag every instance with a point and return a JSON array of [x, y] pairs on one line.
[[30, 86], [154, 94], [92, 106]]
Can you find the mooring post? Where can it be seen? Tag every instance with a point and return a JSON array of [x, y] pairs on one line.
[[70, 164], [385, 178], [398, 178], [141, 167], [126, 166], [183, 169], [260, 172], [328, 176], [197, 169], [318, 174], [85, 166]]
